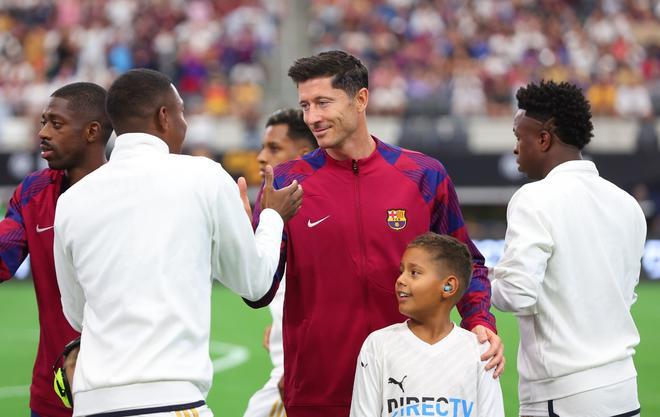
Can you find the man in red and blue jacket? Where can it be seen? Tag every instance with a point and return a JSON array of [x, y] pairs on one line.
[[74, 132], [364, 201]]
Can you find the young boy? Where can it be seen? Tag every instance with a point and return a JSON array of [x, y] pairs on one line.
[[426, 366]]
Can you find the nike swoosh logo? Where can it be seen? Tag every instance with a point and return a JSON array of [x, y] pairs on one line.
[[43, 229], [312, 224]]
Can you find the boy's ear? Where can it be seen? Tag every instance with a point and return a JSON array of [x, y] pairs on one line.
[[450, 286]]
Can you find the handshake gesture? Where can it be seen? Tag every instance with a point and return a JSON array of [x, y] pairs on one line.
[[286, 201]]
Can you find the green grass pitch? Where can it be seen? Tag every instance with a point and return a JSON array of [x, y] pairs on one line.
[[237, 324]]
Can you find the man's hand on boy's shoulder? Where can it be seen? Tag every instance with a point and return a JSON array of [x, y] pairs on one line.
[[496, 351]]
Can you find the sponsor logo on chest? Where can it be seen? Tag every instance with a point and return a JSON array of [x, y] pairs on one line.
[[429, 406]]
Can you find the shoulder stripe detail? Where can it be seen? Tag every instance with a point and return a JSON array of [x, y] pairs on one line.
[[299, 169], [423, 170], [35, 183], [427, 172], [390, 153], [316, 159]]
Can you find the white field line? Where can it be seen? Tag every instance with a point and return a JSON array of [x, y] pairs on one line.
[[228, 356], [15, 391]]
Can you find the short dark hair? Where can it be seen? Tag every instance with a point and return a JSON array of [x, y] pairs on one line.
[[88, 101], [298, 129], [565, 104], [449, 251], [347, 72], [136, 94]]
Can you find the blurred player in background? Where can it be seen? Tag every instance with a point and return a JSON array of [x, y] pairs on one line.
[[74, 132], [365, 201], [286, 137], [570, 265]]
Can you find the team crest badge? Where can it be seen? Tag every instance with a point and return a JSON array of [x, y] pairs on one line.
[[396, 219]]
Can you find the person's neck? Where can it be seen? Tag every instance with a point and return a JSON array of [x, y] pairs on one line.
[[359, 147], [433, 329], [91, 163], [560, 157]]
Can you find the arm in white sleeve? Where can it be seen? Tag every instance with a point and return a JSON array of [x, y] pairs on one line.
[[645, 253], [367, 390], [491, 403], [243, 260], [527, 247], [72, 295]]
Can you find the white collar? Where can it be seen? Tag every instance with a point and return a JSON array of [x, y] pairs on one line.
[[582, 165], [130, 143]]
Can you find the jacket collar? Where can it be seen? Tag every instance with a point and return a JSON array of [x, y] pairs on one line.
[[362, 164], [584, 166], [132, 143]]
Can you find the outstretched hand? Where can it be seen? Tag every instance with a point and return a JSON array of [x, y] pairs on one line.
[[242, 189], [496, 351], [286, 201]]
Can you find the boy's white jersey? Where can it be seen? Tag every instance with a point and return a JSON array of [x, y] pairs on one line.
[[399, 375]]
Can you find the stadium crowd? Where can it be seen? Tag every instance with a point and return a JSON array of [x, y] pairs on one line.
[[434, 56], [427, 58], [212, 49], [467, 58]]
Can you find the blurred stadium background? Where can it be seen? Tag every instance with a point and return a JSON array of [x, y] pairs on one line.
[[443, 74]]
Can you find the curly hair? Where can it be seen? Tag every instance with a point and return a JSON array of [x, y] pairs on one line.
[[565, 104]]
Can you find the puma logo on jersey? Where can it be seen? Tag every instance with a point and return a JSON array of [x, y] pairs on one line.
[[311, 224], [399, 383], [43, 229]]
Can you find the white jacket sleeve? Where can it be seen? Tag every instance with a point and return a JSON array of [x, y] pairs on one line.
[[367, 390], [72, 296], [244, 261], [528, 244], [491, 403]]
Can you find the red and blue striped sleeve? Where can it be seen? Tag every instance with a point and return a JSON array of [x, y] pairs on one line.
[[279, 272], [447, 219], [284, 174], [13, 238]]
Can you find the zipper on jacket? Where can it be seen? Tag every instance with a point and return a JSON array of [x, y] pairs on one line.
[[361, 237]]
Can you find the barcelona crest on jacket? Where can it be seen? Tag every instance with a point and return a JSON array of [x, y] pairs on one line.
[[396, 219]]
